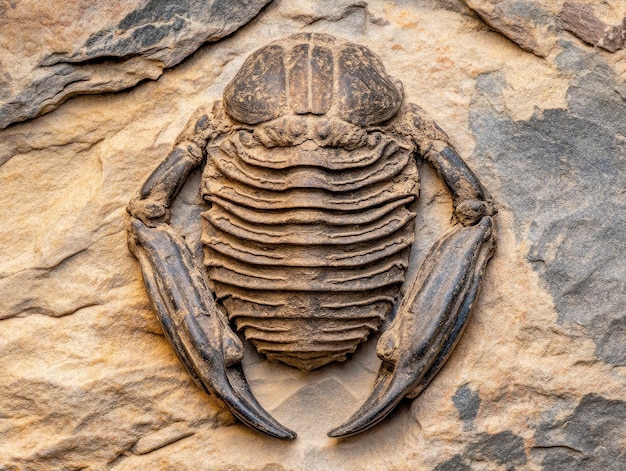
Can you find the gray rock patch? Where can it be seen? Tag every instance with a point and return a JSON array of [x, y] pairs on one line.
[[453, 464], [589, 439], [504, 448], [562, 174], [154, 37], [467, 403]]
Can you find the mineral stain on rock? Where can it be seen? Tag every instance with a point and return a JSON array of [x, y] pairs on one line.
[[147, 26], [453, 464], [580, 20], [590, 438], [503, 449], [575, 159], [467, 403]]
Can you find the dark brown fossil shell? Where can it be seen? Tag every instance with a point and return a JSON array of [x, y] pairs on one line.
[[312, 73]]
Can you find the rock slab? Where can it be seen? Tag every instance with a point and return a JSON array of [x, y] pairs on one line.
[[87, 379], [149, 38]]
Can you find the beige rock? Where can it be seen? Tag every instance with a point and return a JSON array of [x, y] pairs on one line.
[[529, 26], [87, 380], [63, 49], [582, 21]]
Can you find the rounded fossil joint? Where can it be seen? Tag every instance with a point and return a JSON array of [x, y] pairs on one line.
[[323, 129], [232, 349], [247, 138], [387, 347], [373, 139], [147, 211], [471, 211], [296, 127], [202, 123]]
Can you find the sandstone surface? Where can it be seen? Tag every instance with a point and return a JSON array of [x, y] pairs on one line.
[[87, 379], [57, 50]]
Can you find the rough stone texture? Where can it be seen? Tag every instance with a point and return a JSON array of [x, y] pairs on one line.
[[580, 151], [531, 24], [62, 49], [581, 21], [526, 23], [579, 440], [537, 382]]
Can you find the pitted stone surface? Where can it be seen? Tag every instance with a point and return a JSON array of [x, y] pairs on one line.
[[123, 43], [87, 379], [581, 152]]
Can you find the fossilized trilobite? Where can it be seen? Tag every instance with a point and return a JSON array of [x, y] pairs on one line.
[[311, 182]]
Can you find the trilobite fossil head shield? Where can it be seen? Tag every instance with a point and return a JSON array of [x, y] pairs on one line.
[[311, 220], [313, 73]]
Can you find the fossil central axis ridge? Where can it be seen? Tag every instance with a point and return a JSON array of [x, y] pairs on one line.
[[307, 248]]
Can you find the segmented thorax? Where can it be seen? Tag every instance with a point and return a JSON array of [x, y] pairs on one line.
[[310, 226], [307, 245]]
